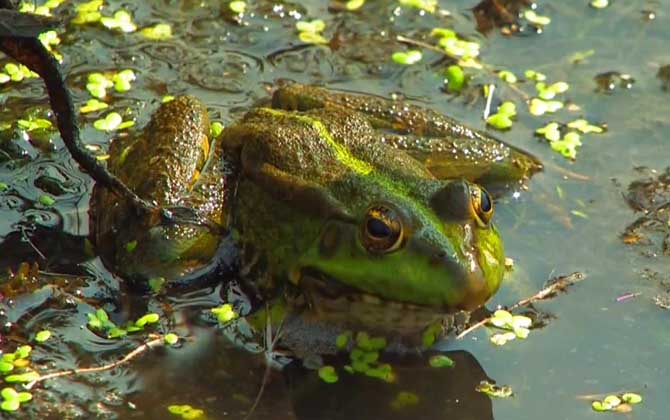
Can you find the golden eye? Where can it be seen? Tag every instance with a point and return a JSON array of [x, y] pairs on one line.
[[382, 229], [482, 204]]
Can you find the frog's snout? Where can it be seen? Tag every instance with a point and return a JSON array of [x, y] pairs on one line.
[[469, 283]]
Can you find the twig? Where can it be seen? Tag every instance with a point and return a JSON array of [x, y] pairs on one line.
[[554, 286], [270, 344], [148, 345]]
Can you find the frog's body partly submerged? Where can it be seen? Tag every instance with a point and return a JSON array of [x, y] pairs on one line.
[[363, 204]]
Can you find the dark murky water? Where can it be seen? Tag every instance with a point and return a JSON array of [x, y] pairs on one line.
[[595, 345]]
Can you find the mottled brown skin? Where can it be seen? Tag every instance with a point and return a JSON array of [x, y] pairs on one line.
[[173, 165]]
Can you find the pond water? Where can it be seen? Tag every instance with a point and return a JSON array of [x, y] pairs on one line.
[[570, 219]]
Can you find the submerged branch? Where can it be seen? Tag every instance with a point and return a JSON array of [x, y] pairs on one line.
[[551, 289], [148, 345]]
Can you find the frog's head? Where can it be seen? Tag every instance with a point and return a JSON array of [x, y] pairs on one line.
[[431, 245]]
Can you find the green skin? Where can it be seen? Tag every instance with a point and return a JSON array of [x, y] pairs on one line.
[[308, 169]]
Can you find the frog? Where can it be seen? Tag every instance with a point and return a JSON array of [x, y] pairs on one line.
[[357, 210]]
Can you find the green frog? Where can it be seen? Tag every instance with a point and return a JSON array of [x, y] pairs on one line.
[[370, 211]]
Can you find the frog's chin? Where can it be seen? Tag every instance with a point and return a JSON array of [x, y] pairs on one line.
[[331, 301]]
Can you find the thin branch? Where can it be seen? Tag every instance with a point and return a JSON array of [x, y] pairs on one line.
[[554, 286], [148, 345]]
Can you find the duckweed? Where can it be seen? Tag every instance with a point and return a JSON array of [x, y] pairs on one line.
[[93, 105], [46, 200], [352, 5], [440, 361], [455, 78], [185, 411], [534, 75], [429, 6], [502, 119], [532, 17], [508, 76], [493, 390], [42, 336], [404, 399], [112, 121], [518, 326], [568, 145], [216, 129], [408, 57], [160, 31], [310, 32], [619, 403], [237, 6], [121, 21], [12, 400], [225, 313], [88, 12], [599, 4], [540, 107], [328, 374], [171, 339]]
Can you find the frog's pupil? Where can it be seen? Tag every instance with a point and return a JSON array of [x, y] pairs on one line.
[[378, 228], [485, 204]]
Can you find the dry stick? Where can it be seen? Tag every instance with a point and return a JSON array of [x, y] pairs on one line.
[[560, 284], [159, 341]]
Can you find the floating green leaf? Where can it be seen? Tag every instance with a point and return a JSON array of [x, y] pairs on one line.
[[540, 107], [550, 131], [328, 374], [532, 17], [429, 6], [88, 12], [599, 4], [585, 127], [631, 398], [109, 122], [455, 78], [187, 412], [121, 21], [508, 76], [534, 75], [216, 129], [352, 5], [156, 283], [171, 339], [150, 318], [237, 6], [93, 105], [342, 340], [408, 57], [493, 390], [404, 399], [6, 367], [568, 145], [22, 378], [224, 313], [440, 361], [42, 336], [158, 32]]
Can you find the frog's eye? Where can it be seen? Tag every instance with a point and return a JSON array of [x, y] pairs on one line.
[[482, 203], [382, 229]]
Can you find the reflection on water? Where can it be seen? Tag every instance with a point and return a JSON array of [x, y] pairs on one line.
[[420, 392]]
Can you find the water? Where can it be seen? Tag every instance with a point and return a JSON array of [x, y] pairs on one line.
[[594, 345]]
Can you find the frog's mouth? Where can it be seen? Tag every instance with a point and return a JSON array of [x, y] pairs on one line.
[[333, 301]]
